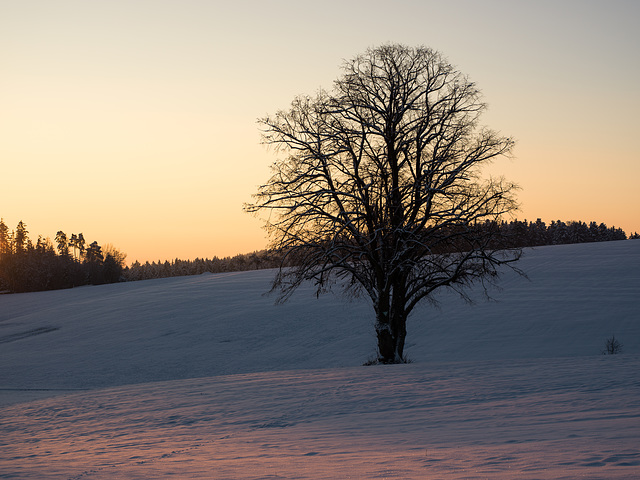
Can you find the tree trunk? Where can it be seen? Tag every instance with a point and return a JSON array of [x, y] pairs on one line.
[[391, 325]]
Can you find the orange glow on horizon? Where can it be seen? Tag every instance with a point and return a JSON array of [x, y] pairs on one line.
[[136, 123]]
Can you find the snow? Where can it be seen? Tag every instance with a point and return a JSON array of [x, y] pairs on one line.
[[204, 377]]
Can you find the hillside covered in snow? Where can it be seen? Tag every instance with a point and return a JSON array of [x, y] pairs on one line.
[[204, 377]]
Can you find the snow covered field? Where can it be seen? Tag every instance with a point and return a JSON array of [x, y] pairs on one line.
[[203, 377]]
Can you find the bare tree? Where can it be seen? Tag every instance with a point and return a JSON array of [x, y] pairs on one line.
[[379, 189], [118, 257]]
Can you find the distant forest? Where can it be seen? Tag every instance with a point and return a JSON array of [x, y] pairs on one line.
[[29, 267], [518, 234]]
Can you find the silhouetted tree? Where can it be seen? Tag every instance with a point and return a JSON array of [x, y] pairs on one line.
[[80, 243], [5, 245], [379, 187], [63, 246], [93, 253], [118, 257], [73, 243], [21, 238], [112, 269]]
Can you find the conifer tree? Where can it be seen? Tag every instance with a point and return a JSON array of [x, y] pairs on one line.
[[81, 243], [63, 247], [21, 238], [5, 246]]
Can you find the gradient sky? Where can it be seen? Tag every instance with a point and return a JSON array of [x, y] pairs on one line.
[[134, 122]]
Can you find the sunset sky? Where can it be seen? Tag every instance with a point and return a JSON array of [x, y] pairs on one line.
[[134, 122]]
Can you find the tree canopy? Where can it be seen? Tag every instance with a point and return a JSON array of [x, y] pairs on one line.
[[378, 187]]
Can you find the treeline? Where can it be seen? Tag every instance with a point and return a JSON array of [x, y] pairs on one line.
[[516, 233], [533, 234], [29, 267], [178, 268]]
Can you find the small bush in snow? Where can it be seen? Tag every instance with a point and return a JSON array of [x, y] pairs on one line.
[[612, 346]]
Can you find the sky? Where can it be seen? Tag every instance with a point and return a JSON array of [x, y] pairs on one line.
[[135, 122]]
